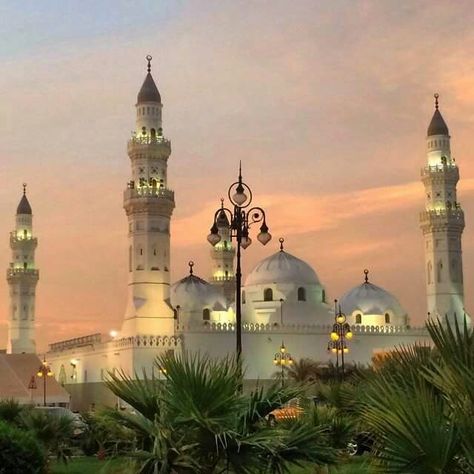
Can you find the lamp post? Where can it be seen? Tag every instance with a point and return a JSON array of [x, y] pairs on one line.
[[341, 333], [32, 386], [281, 310], [44, 371], [242, 217], [283, 359]]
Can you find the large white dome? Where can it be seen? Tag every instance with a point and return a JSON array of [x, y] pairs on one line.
[[194, 294], [282, 267]]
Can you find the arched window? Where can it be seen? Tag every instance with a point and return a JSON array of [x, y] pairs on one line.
[[153, 133], [206, 314], [267, 294], [358, 318], [301, 294], [243, 297], [387, 318], [143, 130], [323, 296]]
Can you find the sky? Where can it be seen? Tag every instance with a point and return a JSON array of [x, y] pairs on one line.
[[325, 102]]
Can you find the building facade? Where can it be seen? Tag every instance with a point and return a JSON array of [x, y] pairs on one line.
[[283, 298]]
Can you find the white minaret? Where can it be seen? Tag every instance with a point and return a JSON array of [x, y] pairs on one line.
[[222, 257], [22, 277], [148, 204], [442, 224]]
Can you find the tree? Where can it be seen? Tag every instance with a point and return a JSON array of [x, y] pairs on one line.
[[419, 405]]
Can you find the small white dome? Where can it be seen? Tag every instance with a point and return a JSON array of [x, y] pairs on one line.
[[282, 267], [194, 294], [370, 299]]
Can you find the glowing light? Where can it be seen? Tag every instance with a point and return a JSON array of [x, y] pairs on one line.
[[113, 333], [349, 335], [334, 336], [341, 318]]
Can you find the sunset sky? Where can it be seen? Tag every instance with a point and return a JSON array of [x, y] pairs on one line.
[[325, 102]]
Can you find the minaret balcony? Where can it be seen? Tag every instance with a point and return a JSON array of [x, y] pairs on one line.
[[440, 172], [442, 219], [19, 272], [16, 237], [147, 141], [148, 192]]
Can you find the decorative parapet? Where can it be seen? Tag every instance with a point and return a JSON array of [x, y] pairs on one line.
[[96, 342], [89, 340], [147, 341], [297, 328]]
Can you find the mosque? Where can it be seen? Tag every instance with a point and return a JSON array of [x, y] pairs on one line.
[[282, 297]]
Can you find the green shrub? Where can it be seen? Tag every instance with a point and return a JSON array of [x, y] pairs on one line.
[[20, 453]]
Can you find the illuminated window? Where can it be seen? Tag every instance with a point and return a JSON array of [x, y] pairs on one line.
[[387, 318], [267, 294], [301, 294], [358, 318], [206, 314]]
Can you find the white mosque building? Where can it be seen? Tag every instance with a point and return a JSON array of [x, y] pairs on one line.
[[283, 298]]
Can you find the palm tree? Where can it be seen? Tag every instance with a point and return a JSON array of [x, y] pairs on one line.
[[197, 420], [303, 371], [419, 405]]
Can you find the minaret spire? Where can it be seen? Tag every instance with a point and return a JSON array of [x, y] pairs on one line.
[[436, 97], [22, 277], [149, 58]]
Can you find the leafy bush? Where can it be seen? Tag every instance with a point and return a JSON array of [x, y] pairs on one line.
[[20, 453], [53, 432]]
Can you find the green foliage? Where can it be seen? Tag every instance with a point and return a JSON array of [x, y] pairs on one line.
[[11, 411], [197, 420], [104, 436], [53, 432], [418, 404], [20, 453]]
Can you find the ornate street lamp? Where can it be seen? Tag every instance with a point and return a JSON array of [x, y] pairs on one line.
[[283, 359], [241, 218], [341, 333], [44, 371]]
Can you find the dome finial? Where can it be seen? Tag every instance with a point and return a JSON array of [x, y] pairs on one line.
[[222, 203], [24, 189], [149, 58], [191, 265], [366, 273], [281, 240], [436, 97]]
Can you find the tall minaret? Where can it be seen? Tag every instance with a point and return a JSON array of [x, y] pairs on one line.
[[22, 277], [222, 256], [442, 224], [148, 204]]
